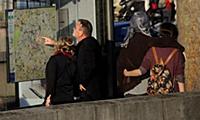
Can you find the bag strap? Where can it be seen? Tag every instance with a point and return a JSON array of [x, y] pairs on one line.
[[155, 54], [170, 56], [167, 60]]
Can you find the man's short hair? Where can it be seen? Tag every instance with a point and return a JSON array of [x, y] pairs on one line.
[[87, 26]]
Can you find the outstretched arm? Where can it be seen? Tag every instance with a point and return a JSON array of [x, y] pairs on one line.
[[49, 41], [132, 73]]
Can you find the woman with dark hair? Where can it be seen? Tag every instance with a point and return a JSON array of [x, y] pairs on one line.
[[60, 72]]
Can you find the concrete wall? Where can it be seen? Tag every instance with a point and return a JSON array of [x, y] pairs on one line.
[[172, 107], [188, 20]]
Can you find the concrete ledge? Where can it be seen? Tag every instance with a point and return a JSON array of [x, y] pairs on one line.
[[170, 107]]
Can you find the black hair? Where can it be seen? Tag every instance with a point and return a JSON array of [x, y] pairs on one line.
[[168, 30], [87, 26]]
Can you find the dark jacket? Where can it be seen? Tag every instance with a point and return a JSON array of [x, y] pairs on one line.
[[88, 66], [60, 72]]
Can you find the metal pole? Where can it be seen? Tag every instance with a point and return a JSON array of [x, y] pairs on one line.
[[59, 28], [77, 12], [27, 5], [111, 81], [109, 19]]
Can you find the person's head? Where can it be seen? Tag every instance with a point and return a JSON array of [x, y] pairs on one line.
[[168, 30], [65, 44], [140, 22], [82, 29]]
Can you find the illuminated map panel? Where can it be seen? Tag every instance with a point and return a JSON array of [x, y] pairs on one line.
[[27, 53]]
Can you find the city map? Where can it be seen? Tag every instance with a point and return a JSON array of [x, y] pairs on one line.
[[27, 53]]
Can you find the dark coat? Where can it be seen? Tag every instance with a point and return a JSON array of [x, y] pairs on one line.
[[88, 66], [60, 72]]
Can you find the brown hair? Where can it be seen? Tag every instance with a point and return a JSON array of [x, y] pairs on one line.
[[65, 44], [87, 27]]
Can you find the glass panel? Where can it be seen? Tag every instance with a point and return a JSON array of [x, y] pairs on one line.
[[22, 4]]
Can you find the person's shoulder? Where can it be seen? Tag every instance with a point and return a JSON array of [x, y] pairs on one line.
[[61, 57], [140, 37], [139, 34], [90, 41], [52, 59], [57, 56], [53, 56]]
